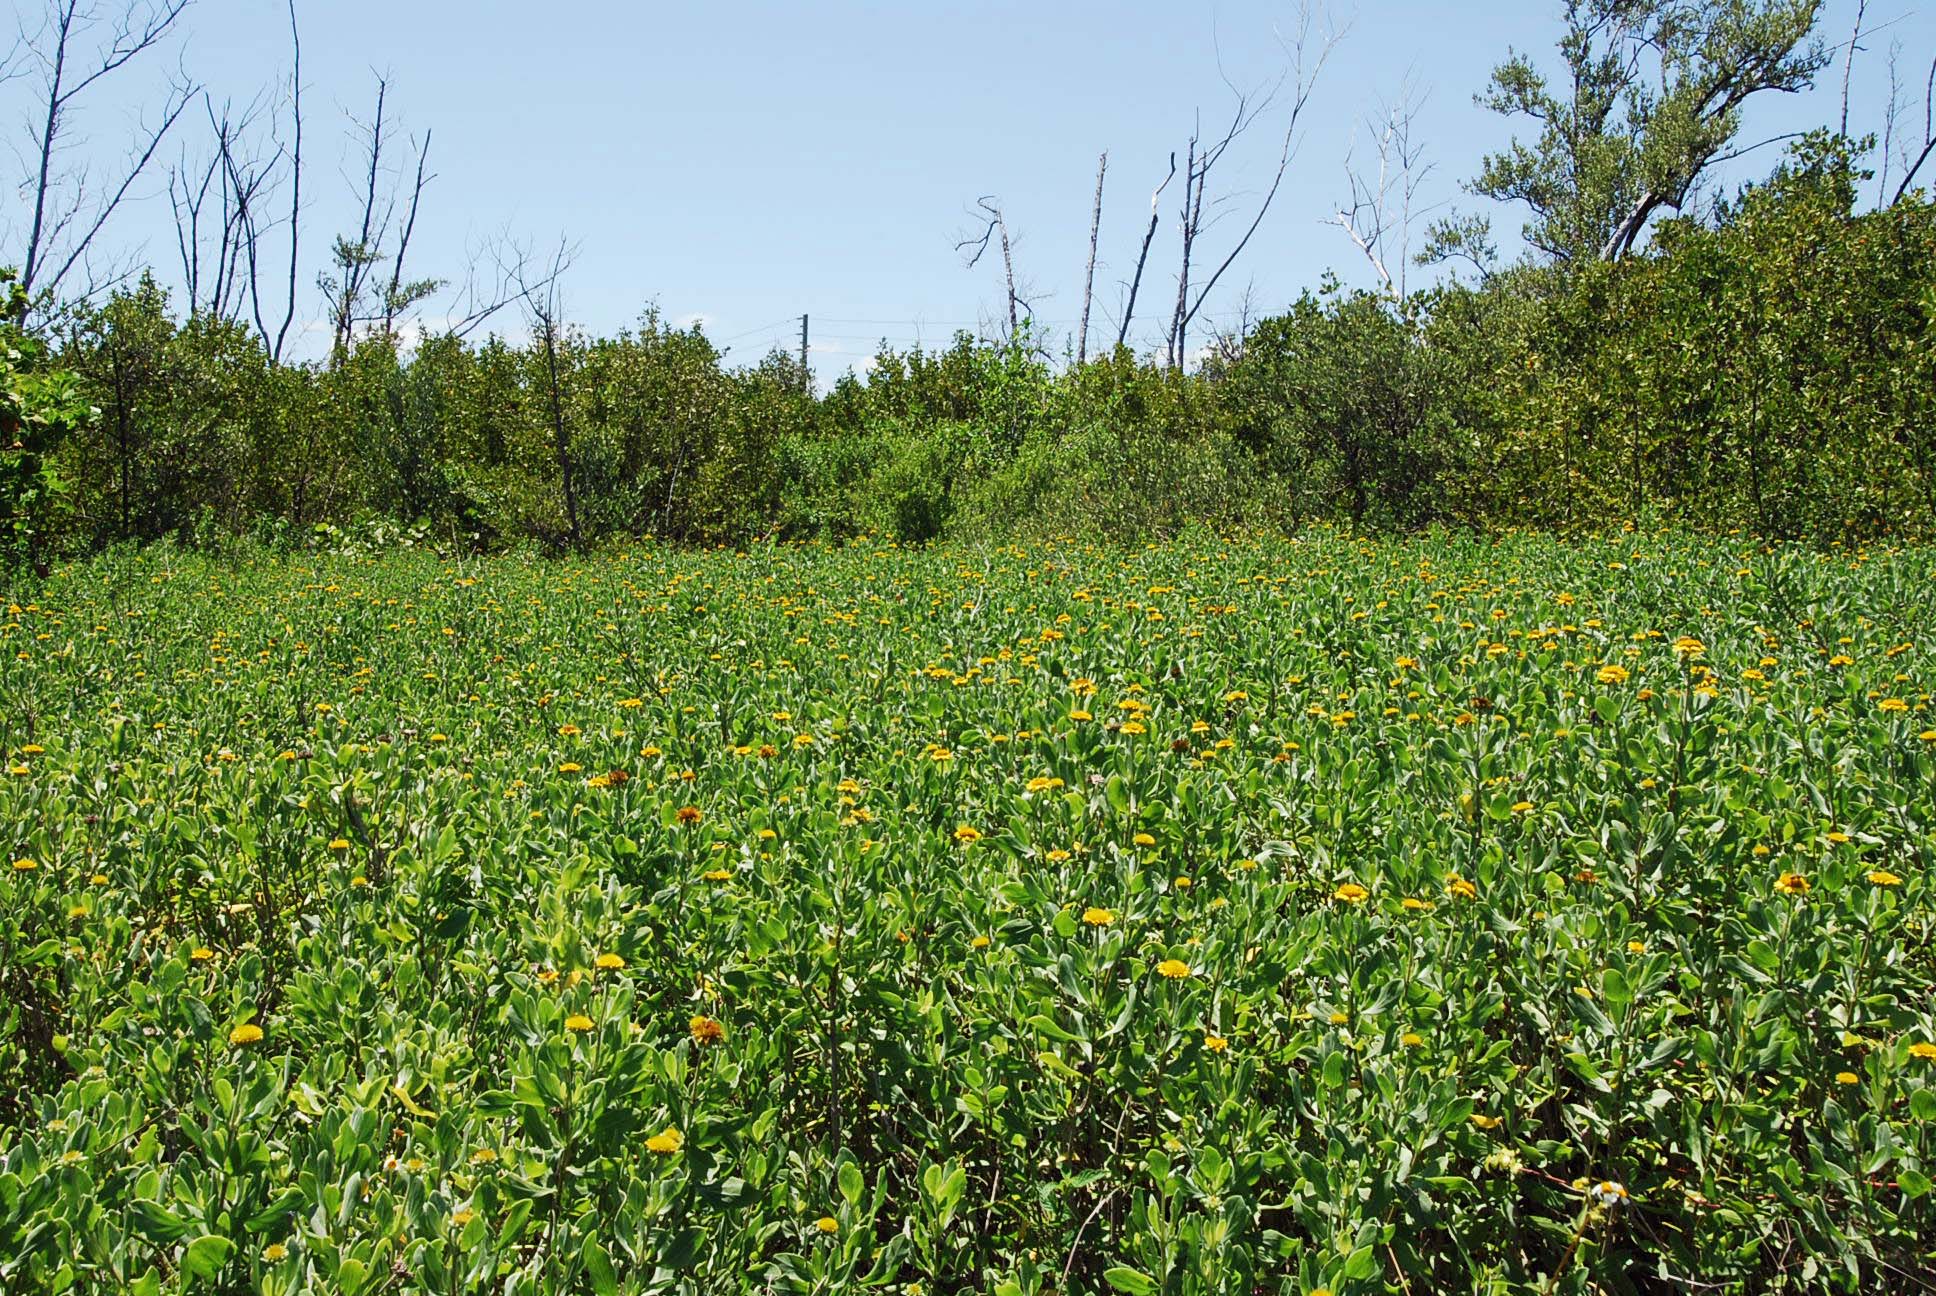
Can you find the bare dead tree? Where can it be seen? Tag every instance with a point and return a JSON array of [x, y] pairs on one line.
[[1848, 63], [76, 48], [295, 205], [355, 296], [1204, 154], [1089, 277], [540, 294], [995, 224], [1384, 205], [1142, 257], [214, 203], [1914, 156]]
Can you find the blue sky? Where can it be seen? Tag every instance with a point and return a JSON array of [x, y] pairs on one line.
[[739, 163]]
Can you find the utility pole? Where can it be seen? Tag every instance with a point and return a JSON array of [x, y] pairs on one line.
[[806, 374]]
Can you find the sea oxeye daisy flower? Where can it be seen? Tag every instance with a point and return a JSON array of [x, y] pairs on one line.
[[1883, 878], [274, 1253], [665, 1142], [1793, 884], [1097, 917], [610, 962], [245, 1034], [578, 1022], [827, 1224], [1173, 969], [965, 834], [689, 814], [1412, 1039], [705, 1030], [1350, 893], [1924, 1051], [25, 865], [1215, 1043]]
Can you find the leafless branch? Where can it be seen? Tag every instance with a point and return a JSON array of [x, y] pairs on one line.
[[995, 224], [1142, 258]]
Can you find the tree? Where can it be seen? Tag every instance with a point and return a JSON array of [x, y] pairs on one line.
[[1651, 99], [41, 407], [75, 48]]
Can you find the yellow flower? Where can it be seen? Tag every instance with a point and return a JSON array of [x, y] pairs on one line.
[[578, 1022], [666, 1141], [717, 875], [1485, 1122], [689, 814], [1792, 884], [1925, 1051], [980, 942], [1458, 886], [201, 953], [827, 1224], [1098, 917], [1173, 969], [1892, 704], [484, 1156], [1351, 893], [1636, 947], [1411, 1039], [966, 834], [1613, 674], [1215, 1043], [274, 1253], [1847, 1078], [339, 843], [462, 1216], [247, 1033], [610, 962], [1884, 878], [705, 1030], [1339, 1018], [1522, 807], [1414, 904], [24, 866], [1182, 883], [1839, 838]]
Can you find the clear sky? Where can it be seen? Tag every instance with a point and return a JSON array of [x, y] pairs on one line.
[[740, 163]]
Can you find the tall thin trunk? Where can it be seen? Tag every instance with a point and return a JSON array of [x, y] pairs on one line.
[[1089, 279]]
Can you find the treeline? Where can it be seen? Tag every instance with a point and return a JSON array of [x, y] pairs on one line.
[[1771, 369]]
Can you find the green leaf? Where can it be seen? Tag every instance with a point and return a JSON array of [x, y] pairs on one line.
[[351, 1275], [206, 1255], [851, 1183], [598, 1267], [1125, 1279]]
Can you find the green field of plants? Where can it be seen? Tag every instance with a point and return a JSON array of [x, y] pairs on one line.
[[1254, 915]]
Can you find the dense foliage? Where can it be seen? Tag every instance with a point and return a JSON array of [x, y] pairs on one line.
[[1260, 915], [1770, 369]]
